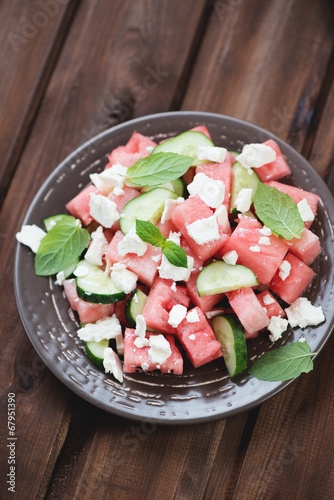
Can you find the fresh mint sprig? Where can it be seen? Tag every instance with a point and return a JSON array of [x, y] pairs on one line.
[[158, 169], [61, 247], [150, 233], [278, 211], [285, 363]]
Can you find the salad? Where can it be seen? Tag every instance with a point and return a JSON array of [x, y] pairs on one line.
[[185, 250]]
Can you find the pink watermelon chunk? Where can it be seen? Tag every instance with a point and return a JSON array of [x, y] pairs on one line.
[[277, 168], [246, 239], [121, 201], [296, 283], [79, 205], [134, 149], [198, 340], [219, 172], [189, 211], [205, 303], [87, 311], [167, 227], [307, 247], [249, 311], [272, 309], [135, 357], [145, 268], [203, 129], [159, 303], [298, 195]]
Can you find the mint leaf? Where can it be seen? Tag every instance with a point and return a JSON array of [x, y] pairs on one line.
[[285, 363], [61, 247], [278, 211], [158, 169], [150, 233], [175, 254]]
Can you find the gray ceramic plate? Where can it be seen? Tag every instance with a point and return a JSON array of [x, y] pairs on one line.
[[201, 394]]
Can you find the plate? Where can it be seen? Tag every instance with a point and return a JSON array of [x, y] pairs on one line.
[[199, 395]]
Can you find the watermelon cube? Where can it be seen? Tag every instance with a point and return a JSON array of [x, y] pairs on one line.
[[203, 129], [121, 201], [159, 303], [198, 339], [275, 169], [79, 205], [270, 305], [138, 357], [249, 311], [294, 285], [87, 311], [219, 172], [262, 254], [298, 195], [144, 266], [190, 211], [167, 227], [205, 303], [307, 247], [134, 149]]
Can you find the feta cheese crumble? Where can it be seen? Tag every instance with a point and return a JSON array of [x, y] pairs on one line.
[[31, 236], [284, 270], [204, 230], [268, 299], [264, 240], [131, 243], [192, 316], [211, 153], [243, 200], [266, 231], [255, 249], [81, 270], [305, 211], [176, 315], [302, 313], [276, 327], [123, 278], [140, 331], [97, 248], [169, 207], [107, 328], [222, 218], [103, 210], [159, 350], [145, 366], [230, 257], [175, 273], [256, 155], [112, 364], [211, 191]]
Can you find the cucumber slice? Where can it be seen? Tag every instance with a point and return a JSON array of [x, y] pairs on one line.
[[219, 277], [178, 186], [231, 336], [242, 178], [50, 222], [147, 206], [134, 306], [95, 351], [97, 287], [185, 144]]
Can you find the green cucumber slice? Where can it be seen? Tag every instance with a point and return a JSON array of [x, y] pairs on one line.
[[97, 287], [95, 351], [134, 306], [185, 144], [231, 336], [50, 222], [242, 178], [219, 277], [147, 206], [177, 185]]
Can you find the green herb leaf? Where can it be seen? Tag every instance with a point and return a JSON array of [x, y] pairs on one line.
[[150, 233], [285, 363], [158, 169], [278, 211], [175, 254], [61, 247]]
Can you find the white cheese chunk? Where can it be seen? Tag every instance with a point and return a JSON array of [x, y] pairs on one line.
[[169, 208], [114, 176], [81, 270], [211, 191], [230, 257], [305, 211], [157, 258], [276, 327], [302, 313], [97, 247], [255, 249], [131, 243], [211, 153], [268, 299], [123, 278], [192, 316], [243, 200], [159, 350], [31, 236], [176, 315], [60, 278], [145, 366], [222, 218], [99, 184], [266, 231], [140, 326], [173, 286], [192, 337], [204, 230], [103, 210], [120, 344], [107, 328], [264, 240], [256, 155], [112, 364], [284, 270], [175, 273]]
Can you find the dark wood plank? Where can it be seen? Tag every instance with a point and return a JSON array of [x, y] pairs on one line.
[[31, 37]]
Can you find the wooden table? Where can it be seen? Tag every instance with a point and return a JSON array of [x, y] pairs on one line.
[[70, 69]]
